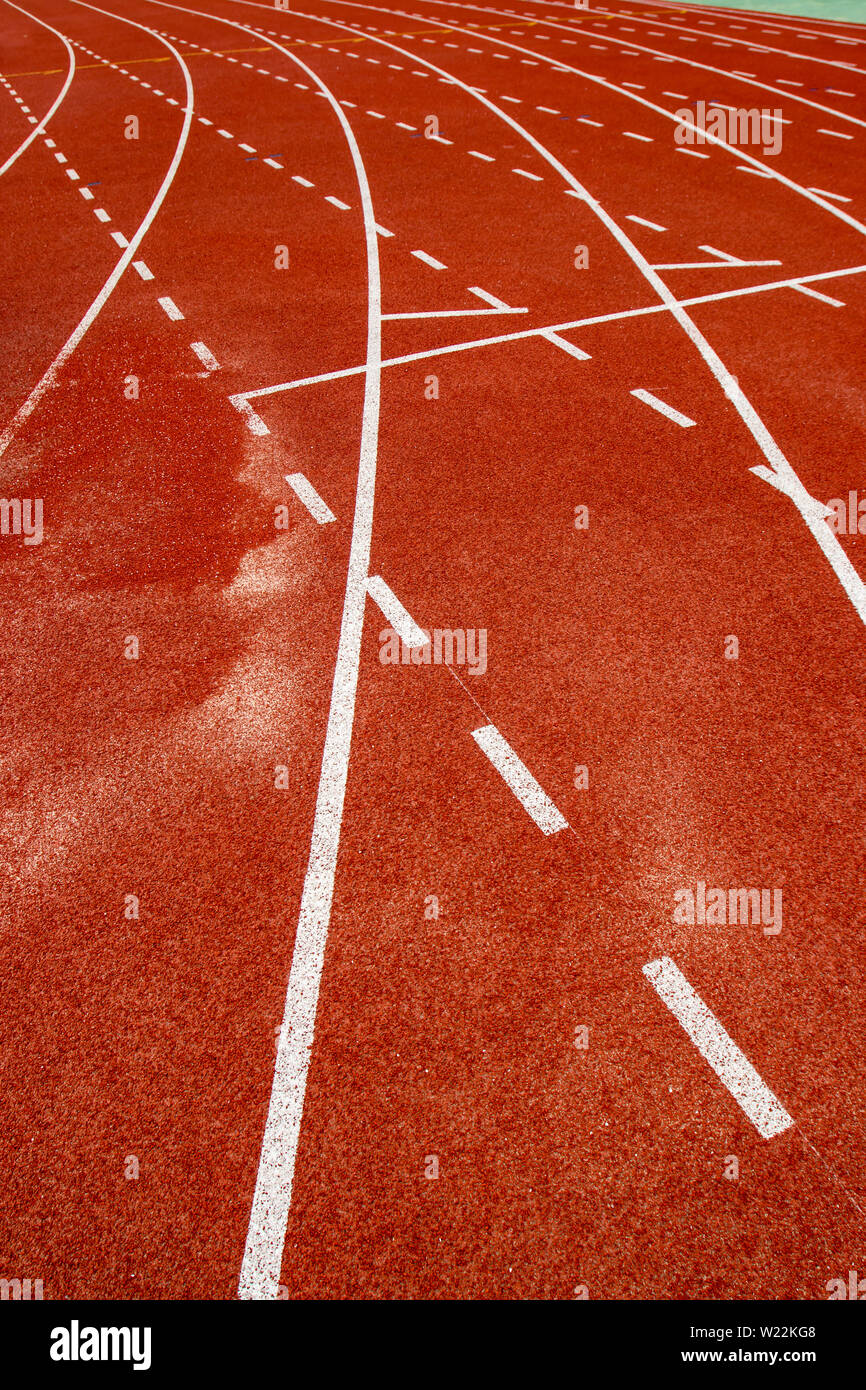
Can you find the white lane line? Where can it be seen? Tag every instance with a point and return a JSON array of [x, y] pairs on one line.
[[305, 183], [566, 346], [49, 377], [585, 120], [489, 298], [834, 91], [659, 308], [226, 134], [647, 139], [120, 239], [249, 148], [205, 356], [383, 231], [695, 154], [70, 73], [377, 115], [663, 408], [72, 174], [144, 271], [101, 214], [306, 493], [273, 163], [476, 154], [401, 621], [86, 193], [429, 260], [839, 134], [254, 423], [642, 222], [824, 194], [715, 1045], [549, 109], [337, 202], [168, 304], [517, 777], [815, 294], [524, 173], [266, 1236], [404, 125]]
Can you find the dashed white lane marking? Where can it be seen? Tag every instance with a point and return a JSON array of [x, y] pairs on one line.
[[517, 777], [249, 148], [834, 92], [814, 294], [405, 126], [305, 183], [476, 154], [101, 214], [663, 408], [306, 493], [584, 120], [695, 154], [377, 115], [168, 304], [402, 622], [273, 163], [566, 346], [86, 193], [549, 109], [824, 194], [337, 202], [429, 260], [72, 174], [488, 298], [642, 222], [143, 270], [205, 356], [680, 96], [254, 423], [524, 173], [715, 1045], [120, 239], [839, 134], [647, 139], [383, 231]]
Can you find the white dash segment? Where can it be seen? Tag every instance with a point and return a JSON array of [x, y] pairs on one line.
[[306, 493], [273, 163], [305, 183], [476, 154], [642, 222], [402, 622], [254, 423], [488, 298], [715, 1045], [170, 307], [101, 214], [120, 239], [205, 356], [329, 198], [525, 174], [144, 271], [566, 345], [663, 408], [520, 780], [429, 260]]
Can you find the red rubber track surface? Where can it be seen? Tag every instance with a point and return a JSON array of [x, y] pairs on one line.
[[559, 1167]]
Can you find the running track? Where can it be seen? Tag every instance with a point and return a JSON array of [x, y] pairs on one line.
[[326, 1089]]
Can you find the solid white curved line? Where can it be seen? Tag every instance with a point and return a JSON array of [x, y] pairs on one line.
[[589, 77], [755, 17], [75, 337], [260, 1271], [705, 67], [39, 129], [702, 33], [780, 471]]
